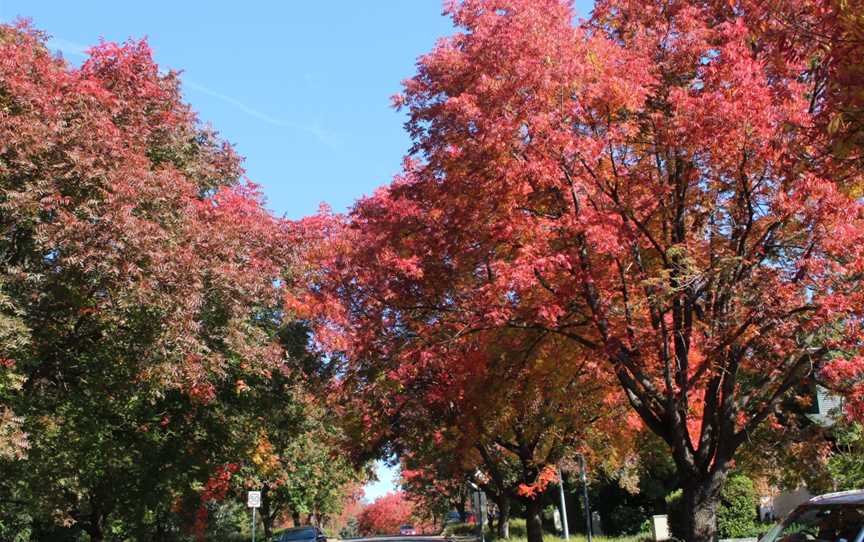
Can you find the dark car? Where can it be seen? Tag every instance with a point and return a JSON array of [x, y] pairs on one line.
[[452, 517], [835, 517], [301, 534]]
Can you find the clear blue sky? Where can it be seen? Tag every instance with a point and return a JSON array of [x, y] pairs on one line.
[[301, 88]]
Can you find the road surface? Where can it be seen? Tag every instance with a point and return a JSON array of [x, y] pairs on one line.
[[426, 538]]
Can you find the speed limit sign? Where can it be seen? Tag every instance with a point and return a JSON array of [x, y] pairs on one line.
[[253, 500]]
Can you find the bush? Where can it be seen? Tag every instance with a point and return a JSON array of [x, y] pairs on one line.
[[737, 514], [350, 530], [627, 520], [460, 529], [675, 511]]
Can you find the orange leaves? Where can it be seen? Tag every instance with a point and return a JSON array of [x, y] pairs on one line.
[[548, 474], [264, 456]]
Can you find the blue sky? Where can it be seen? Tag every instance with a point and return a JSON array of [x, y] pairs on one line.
[[301, 88]]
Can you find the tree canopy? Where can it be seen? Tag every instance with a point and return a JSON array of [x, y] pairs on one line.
[[653, 185]]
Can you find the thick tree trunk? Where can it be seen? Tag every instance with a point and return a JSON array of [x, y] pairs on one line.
[[94, 525], [460, 507], [295, 517], [94, 530], [700, 499], [534, 520], [504, 518]]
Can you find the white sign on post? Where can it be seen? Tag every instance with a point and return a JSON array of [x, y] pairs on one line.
[[254, 499]]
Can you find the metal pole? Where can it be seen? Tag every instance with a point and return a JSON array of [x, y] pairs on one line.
[[479, 515], [563, 505], [253, 524], [585, 496]]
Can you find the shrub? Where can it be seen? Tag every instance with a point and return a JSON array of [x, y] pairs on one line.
[[736, 516], [627, 520], [675, 511], [460, 529]]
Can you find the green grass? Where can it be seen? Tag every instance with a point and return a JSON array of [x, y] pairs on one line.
[[518, 533]]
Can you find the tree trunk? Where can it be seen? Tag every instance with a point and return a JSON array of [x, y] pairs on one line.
[[504, 518], [94, 525], [460, 507], [534, 520], [295, 517], [94, 531], [266, 517], [700, 499]]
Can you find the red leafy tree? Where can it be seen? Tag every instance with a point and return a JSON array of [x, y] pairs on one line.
[[385, 515], [644, 185]]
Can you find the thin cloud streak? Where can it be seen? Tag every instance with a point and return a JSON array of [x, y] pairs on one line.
[[323, 135], [68, 47]]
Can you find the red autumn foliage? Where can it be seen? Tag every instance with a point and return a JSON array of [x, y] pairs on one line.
[[647, 185], [127, 201], [385, 515]]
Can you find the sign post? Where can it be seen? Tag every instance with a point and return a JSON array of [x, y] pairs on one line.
[[253, 501]]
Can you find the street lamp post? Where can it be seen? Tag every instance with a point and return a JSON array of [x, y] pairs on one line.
[[585, 495], [563, 505]]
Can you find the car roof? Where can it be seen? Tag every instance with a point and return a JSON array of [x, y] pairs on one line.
[[855, 496]]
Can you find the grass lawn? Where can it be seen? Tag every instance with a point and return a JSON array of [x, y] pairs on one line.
[[518, 533]]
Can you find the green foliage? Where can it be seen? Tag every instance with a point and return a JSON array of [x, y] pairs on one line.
[[675, 511], [349, 530], [846, 465], [737, 514], [467, 529]]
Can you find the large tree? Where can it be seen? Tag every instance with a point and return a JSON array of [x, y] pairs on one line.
[[645, 185], [138, 277]]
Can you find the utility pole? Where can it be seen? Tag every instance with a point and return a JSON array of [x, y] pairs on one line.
[[585, 495], [563, 505]]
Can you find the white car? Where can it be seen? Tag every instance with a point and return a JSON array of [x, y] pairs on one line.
[[835, 517]]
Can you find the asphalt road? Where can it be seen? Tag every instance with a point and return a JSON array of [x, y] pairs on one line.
[[427, 538]]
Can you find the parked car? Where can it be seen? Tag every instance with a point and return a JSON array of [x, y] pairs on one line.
[[835, 517], [301, 534], [452, 517], [407, 530]]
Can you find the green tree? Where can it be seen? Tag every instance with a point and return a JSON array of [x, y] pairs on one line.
[[846, 463], [137, 274]]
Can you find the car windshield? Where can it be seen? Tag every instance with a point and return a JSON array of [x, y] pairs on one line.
[[407, 526], [821, 523], [297, 534]]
